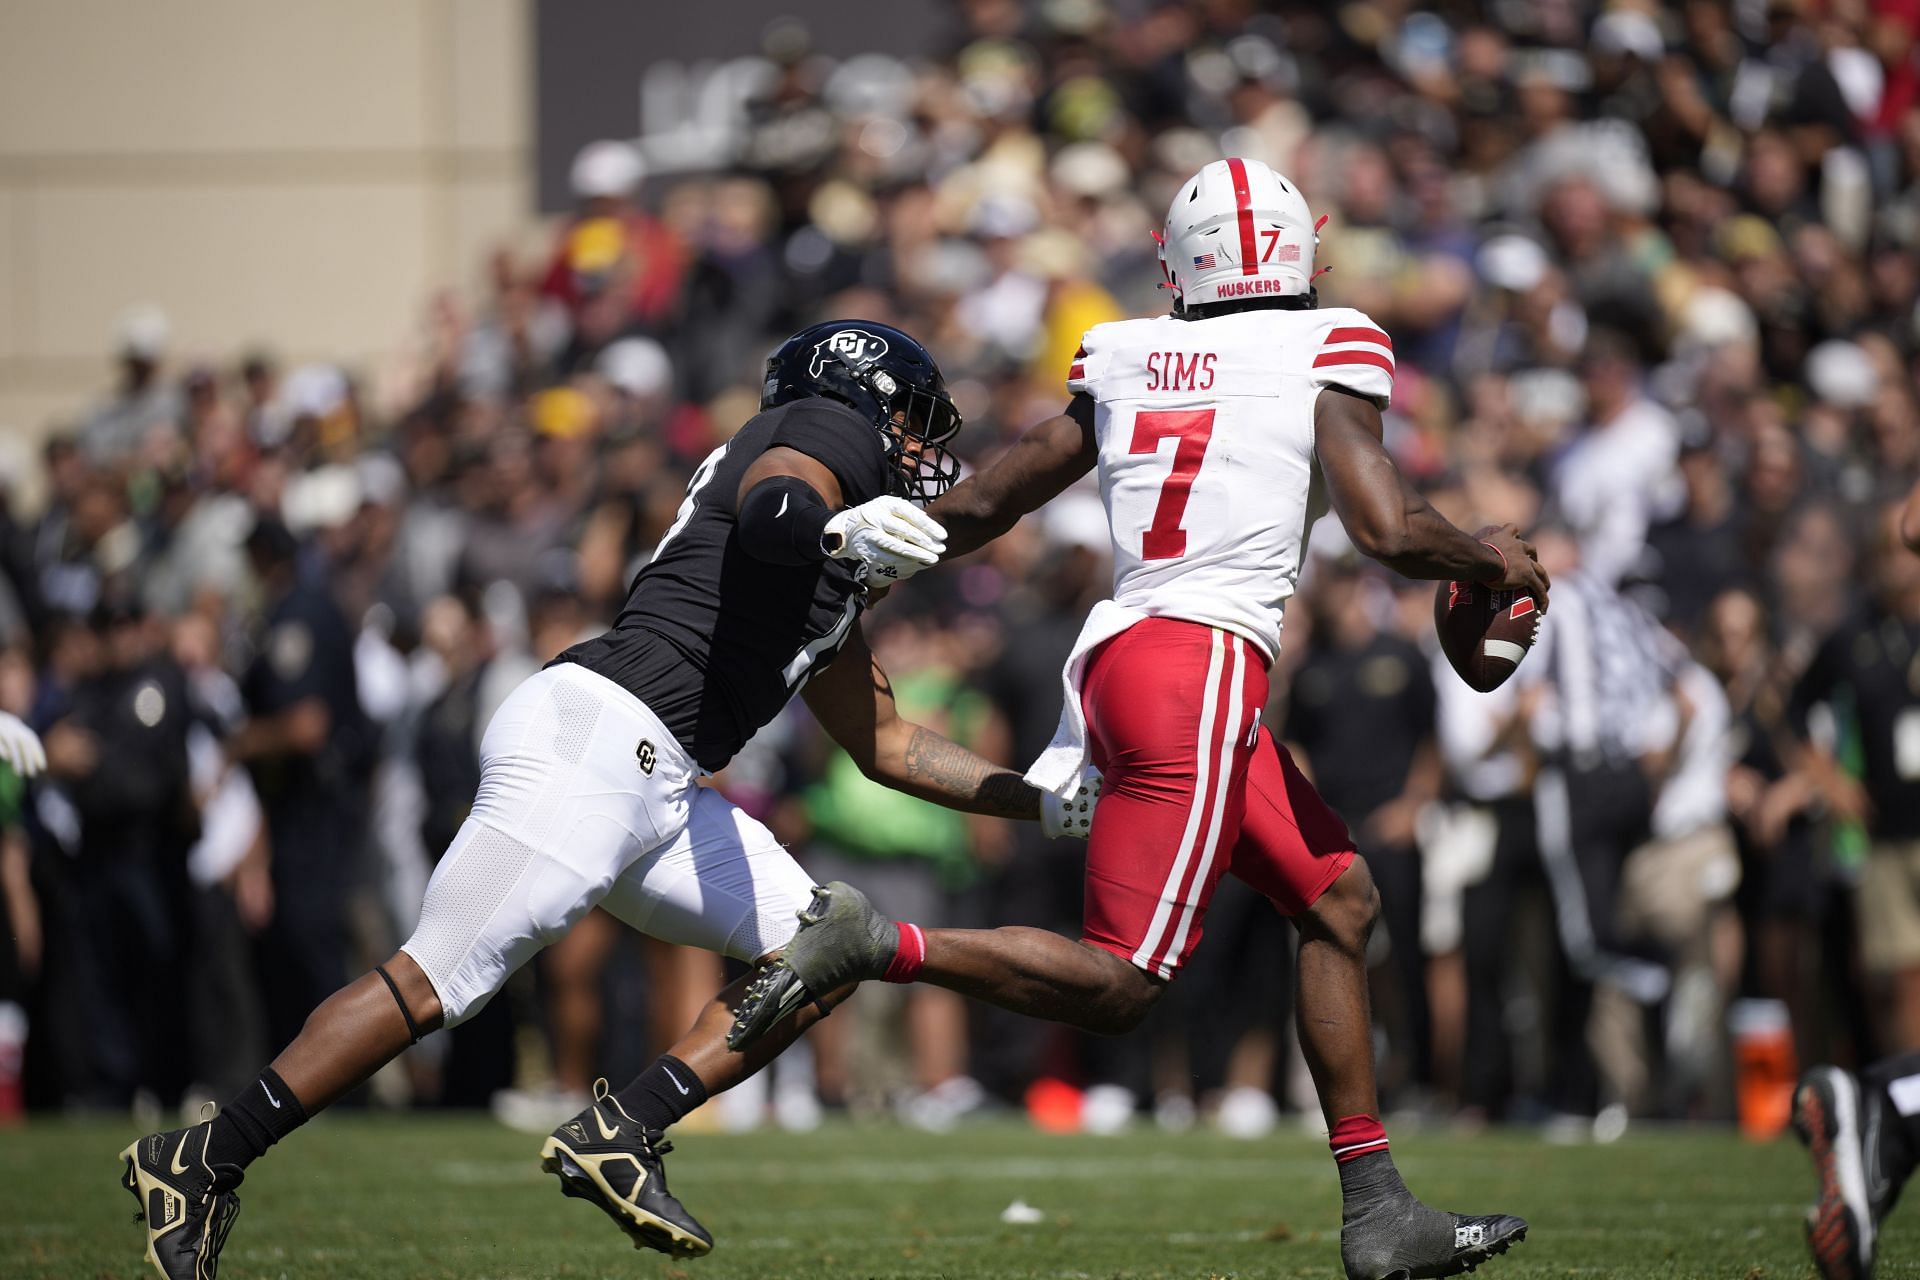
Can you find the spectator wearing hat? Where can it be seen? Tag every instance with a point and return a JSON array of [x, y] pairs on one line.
[[143, 400], [121, 903], [309, 746], [612, 245]]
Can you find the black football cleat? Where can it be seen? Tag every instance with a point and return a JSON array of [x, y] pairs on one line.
[[842, 939], [1474, 1241], [604, 1156], [1840, 1124], [1451, 1246], [188, 1204]]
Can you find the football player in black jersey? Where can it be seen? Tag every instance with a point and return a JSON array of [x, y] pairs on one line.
[[589, 788]]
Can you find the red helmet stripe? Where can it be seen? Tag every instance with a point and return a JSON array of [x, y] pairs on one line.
[[1243, 200]]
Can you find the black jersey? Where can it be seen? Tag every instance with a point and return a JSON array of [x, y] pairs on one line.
[[714, 641]]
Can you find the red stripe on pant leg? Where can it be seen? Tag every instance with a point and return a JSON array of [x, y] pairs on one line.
[[1193, 816], [1243, 201], [1226, 733]]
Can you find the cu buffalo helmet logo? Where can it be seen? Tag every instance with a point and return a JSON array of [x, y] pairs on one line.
[[855, 347], [646, 756]]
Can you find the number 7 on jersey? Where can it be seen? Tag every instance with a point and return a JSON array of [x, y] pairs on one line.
[[1164, 538]]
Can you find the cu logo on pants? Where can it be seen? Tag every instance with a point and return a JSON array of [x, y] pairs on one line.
[[645, 756]]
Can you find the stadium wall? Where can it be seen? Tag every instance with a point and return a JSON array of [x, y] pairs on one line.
[[260, 169]]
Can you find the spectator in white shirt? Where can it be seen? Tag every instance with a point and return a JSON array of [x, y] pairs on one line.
[[1622, 471]]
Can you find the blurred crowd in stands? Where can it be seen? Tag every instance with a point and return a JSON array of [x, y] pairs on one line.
[[1653, 275]]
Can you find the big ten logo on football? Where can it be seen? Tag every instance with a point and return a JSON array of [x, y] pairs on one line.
[[1180, 370]]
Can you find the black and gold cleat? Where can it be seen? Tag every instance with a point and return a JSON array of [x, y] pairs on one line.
[[603, 1155], [187, 1203]]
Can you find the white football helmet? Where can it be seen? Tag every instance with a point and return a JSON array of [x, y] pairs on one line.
[[1238, 230]]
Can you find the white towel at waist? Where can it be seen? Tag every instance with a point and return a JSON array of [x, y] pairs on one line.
[[1059, 767]]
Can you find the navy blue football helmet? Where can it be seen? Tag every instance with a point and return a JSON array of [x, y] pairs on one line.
[[891, 380]]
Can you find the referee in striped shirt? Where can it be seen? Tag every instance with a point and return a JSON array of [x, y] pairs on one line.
[[1598, 676]]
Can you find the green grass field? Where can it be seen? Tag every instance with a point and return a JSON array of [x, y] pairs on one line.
[[361, 1196]]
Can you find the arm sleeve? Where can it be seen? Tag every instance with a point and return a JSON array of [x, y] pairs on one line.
[[838, 440], [1350, 351], [781, 520]]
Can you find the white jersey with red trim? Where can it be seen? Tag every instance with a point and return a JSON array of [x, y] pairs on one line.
[[1207, 468]]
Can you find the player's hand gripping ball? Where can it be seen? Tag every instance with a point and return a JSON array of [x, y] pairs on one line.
[[1072, 817], [1486, 628], [891, 536]]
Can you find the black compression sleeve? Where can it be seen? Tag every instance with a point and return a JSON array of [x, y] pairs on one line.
[[781, 520]]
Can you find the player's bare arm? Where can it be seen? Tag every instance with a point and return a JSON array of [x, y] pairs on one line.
[[1041, 464], [1389, 521], [853, 700]]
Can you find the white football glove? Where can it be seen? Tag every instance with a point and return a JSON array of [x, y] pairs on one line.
[[891, 536], [20, 747], [1072, 817]]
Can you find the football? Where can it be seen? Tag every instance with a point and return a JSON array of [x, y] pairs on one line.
[[1484, 632]]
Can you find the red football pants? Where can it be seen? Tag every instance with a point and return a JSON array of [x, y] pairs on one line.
[[1193, 789]]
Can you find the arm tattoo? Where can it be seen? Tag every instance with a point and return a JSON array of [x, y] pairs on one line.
[[947, 771]]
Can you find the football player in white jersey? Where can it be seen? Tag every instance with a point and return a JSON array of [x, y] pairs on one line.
[[1220, 433]]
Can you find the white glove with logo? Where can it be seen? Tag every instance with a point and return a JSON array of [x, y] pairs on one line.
[[891, 536], [20, 747], [1072, 817]]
